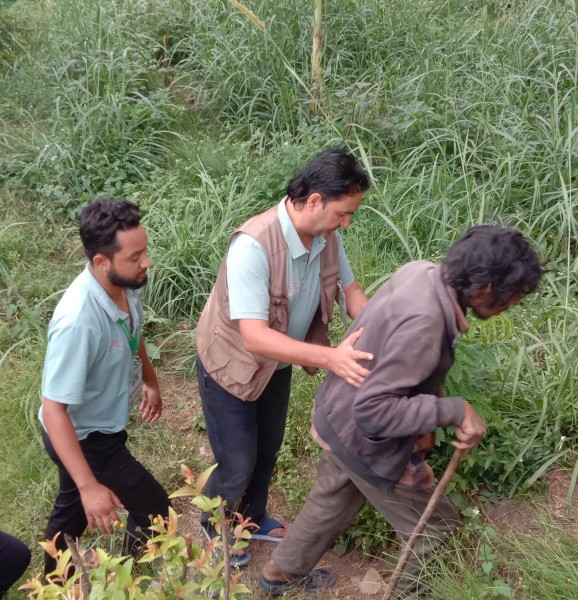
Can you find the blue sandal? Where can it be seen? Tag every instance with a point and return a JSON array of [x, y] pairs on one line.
[[315, 581], [268, 525]]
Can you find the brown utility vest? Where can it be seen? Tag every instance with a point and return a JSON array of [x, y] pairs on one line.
[[219, 343]]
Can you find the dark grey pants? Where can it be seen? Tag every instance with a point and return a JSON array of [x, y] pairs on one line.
[[245, 438], [337, 497]]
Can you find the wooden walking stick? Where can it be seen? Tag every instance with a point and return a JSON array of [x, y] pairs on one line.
[[427, 513]]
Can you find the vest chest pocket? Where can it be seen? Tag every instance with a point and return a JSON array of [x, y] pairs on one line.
[[279, 313]]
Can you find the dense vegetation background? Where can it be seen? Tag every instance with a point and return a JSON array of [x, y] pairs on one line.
[[463, 112]]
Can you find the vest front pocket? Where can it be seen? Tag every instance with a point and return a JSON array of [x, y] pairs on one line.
[[230, 363]]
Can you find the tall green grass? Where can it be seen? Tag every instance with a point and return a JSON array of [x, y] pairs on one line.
[[89, 96], [462, 112], [538, 566]]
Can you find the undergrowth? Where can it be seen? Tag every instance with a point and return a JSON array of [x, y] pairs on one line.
[[462, 112]]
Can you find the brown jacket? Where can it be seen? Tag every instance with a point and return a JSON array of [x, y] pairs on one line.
[[410, 328], [219, 342]]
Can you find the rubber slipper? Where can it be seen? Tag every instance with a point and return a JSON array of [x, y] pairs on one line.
[[268, 525], [316, 580], [239, 559]]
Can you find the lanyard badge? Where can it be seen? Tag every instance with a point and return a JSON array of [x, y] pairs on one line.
[[135, 385]]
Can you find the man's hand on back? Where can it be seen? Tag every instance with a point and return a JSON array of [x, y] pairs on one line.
[[345, 360]]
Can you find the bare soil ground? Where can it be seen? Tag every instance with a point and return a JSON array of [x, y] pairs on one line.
[[528, 517], [356, 575]]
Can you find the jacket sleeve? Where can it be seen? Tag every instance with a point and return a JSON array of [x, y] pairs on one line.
[[383, 406]]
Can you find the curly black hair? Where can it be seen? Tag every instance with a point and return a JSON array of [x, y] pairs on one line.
[[492, 254], [99, 222]]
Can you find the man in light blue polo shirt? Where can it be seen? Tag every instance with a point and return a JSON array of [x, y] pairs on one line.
[[87, 361], [96, 369], [248, 277], [276, 286]]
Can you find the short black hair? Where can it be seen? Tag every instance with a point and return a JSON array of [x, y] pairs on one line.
[[99, 222], [492, 254], [332, 173]]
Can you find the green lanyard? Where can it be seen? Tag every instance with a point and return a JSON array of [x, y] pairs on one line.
[[132, 340]]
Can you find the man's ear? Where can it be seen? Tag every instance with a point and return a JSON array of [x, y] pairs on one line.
[[101, 262], [314, 200]]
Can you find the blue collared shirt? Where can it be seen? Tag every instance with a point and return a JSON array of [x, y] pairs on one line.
[[88, 358], [248, 277]]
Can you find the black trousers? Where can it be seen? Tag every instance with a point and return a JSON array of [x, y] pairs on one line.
[[245, 438], [14, 558], [117, 469]]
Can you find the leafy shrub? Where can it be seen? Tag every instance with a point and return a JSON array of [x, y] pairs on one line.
[[179, 567]]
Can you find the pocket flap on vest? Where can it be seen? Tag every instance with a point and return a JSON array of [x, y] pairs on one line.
[[242, 371], [240, 367]]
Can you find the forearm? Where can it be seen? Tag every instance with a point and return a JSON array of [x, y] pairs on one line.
[[149, 375], [390, 416], [278, 346], [343, 360], [65, 443], [355, 299]]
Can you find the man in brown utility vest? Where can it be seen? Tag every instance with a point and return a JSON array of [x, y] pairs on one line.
[[270, 308]]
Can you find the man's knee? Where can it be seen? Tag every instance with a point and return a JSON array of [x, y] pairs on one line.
[[232, 485], [144, 497], [234, 471], [73, 522]]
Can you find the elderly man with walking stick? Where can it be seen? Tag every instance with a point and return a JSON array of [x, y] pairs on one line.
[[376, 436]]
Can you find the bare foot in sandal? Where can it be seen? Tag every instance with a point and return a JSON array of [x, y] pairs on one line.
[[272, 529]]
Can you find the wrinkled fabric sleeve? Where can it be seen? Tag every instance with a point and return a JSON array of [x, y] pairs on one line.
[[382, 406], [71, 351]]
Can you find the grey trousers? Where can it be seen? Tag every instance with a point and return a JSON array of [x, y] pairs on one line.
[[337, 497]]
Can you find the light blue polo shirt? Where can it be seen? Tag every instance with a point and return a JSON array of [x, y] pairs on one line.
[[248, 277], [88, 359]]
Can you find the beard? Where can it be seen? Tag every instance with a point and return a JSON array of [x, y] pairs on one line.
[[131, 284]]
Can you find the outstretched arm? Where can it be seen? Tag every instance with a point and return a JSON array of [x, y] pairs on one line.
[[343, 360]]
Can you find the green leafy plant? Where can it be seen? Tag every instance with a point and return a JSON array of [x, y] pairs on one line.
[[179, 567], [486, 556]]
